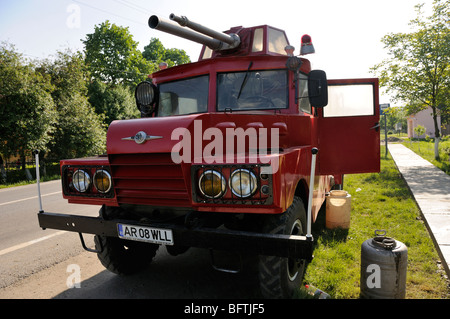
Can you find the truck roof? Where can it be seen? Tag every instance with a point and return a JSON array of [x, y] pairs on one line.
[[258, 40]]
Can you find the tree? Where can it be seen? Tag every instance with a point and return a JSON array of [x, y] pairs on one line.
[[27, 111], [417, 71], [419, 130], [79, 131], [395, 115], [157, 53], [112, 56], [113, 102]]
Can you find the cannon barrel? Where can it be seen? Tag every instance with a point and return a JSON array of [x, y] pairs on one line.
[[213, 39]]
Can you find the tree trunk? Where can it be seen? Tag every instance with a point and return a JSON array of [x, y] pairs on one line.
[[437, 133], [436, 148]]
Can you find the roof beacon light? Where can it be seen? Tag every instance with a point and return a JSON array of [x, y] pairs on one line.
[[307, 46]]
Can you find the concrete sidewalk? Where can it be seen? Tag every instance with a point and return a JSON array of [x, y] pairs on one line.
[[431, 189]]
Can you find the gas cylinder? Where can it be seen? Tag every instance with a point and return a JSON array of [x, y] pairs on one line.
[[383, 267]]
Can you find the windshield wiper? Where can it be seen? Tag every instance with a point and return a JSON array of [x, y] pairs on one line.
[[245, 79]]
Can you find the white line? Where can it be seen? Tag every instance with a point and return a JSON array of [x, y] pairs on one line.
[[28, 198], [28, 243]]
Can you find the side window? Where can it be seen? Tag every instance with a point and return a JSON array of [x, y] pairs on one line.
[[350, 100], [277, 41], [302, 94], [258, 38], [207, 54], [185, 96]]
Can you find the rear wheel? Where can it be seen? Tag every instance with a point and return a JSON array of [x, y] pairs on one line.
[[279, 277]]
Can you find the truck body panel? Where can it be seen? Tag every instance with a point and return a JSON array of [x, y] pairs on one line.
[[234, 152]]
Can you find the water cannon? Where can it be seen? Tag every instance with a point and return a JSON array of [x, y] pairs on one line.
[[193, 31]]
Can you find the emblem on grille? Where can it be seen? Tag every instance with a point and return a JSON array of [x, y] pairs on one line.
[[141, 137]]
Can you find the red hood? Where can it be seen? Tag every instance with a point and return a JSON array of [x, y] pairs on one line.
[[160, 129]]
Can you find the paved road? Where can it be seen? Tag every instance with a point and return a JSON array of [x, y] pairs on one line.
[[24, 247], [39, 264]]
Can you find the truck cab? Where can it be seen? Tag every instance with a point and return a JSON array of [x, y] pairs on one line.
[[234, 152]]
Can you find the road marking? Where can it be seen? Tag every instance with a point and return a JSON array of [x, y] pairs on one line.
[[29, 243], [28, 198]]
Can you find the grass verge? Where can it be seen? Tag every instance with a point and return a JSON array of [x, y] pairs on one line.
[[18, 177], [425, 149], [379, 201]]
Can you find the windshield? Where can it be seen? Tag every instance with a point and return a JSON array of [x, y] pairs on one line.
[[252, 90], [183, 97]]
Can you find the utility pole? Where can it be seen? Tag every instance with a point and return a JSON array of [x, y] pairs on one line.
[[383, 108]]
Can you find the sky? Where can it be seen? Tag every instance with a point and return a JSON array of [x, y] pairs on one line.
[[346, 33]]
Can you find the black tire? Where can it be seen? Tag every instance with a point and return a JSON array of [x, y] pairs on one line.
[[280, 277], [120, 256], [124, 257]]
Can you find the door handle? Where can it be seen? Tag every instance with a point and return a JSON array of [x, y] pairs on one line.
[[376, 127]]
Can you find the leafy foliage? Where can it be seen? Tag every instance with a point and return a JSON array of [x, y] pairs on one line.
[[417, 71], [156, 52], [112, 56], [62, 106], [113, 102], [79, 129], [27, 111]]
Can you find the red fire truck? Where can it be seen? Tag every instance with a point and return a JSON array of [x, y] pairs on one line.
[[235, 152]]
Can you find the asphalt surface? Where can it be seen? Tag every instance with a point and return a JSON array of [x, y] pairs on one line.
[[40, 270], [40, 264]]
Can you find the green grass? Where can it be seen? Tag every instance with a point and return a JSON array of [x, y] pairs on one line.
[[379, 201], [425, 149], [17, 177]]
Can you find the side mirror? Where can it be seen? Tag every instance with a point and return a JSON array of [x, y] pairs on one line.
[[318, 88]]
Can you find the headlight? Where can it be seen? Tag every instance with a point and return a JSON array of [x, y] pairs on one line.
[[81, 181], [212, 184], [243, 183], [145, 95], [102, 181]]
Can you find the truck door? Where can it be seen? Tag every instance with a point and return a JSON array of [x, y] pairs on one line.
[[349, 130]]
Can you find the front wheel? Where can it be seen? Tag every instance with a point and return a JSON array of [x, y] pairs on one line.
[[279, 277], [120, 256]]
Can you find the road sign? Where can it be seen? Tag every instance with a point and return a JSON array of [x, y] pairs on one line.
[[384, 107]]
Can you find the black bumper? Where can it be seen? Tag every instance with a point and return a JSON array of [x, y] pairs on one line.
[[210, 238]]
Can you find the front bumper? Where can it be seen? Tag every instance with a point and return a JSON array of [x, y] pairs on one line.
[[201, 237]]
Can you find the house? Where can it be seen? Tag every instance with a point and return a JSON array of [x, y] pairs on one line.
[[424, 118]]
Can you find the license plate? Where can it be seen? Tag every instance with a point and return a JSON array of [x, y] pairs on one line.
[[148, 234]]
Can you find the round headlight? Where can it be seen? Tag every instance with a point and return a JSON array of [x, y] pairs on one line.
[[243, 183], [212, 184], [81, 181], [145, 97], [102, 181]]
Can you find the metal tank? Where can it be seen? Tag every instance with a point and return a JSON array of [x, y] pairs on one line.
[[383, 268]]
